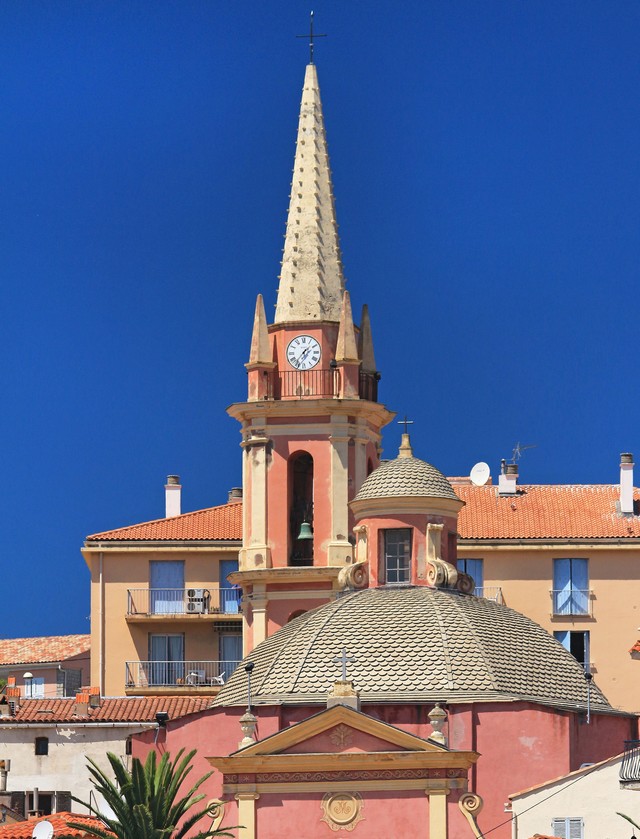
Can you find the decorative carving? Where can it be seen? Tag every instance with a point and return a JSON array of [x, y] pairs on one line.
[[466, 584], [437, 718], [248, 723], [342, 736], [441, 574], [215, 808], [342, 810], [471, 804], [354, 576], [364, 775]]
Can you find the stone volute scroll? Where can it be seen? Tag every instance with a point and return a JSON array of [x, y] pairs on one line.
[[470, 804]]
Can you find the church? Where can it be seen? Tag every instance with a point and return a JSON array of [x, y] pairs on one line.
[[359, 682]]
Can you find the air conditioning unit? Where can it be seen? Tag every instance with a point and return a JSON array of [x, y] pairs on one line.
[[196, 605], [195, 593]]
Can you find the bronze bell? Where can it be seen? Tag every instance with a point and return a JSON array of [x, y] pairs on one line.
[[305, 531]]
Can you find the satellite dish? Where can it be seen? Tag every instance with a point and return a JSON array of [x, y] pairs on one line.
[[480, 474], [43, 830]]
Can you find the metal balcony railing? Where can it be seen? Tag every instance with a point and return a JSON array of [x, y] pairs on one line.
[[369, 386], [575, 601], [183, 601], [630, 767], [489, 593], [177, 674], [295, 384]]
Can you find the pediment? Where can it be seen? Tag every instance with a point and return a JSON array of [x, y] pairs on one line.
[[340, 729]]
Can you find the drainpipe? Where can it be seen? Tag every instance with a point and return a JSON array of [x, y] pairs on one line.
[[101, 644]]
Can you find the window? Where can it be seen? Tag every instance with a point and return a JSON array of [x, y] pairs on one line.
[[570, 586], [474, 568], [567, 828], [230, 653], [45, 801], [301, 509], [34, 687], [397, 556], [578, 645], [166, 659], [230, 594], [166, 587], [42, 747]]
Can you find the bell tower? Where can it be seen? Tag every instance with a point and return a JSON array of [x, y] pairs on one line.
[[311, 423]]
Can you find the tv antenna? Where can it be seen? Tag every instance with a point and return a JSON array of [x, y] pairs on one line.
[[519, 448]]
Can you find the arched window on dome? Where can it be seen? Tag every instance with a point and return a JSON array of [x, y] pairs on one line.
[[296, 614], [301, 509]]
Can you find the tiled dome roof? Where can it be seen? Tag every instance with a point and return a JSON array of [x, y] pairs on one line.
[[406, 476], [414, 644]]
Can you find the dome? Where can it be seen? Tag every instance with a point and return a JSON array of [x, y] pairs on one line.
[[406, 476], [413, 644]]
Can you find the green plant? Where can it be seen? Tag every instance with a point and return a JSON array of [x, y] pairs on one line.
[[146, 802]]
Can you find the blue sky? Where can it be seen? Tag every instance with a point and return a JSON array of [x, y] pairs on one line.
[[487, 176]]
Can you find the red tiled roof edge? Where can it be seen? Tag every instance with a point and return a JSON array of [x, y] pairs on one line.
[[221, 523]]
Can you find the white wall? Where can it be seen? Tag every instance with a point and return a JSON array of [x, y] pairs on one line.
[[593, 795], [65, 767]]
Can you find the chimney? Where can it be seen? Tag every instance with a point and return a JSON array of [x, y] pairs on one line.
[[626, 484], [94, 697], [172, 496], [13, 695], [235, 494], [508, 479], [81, 706]]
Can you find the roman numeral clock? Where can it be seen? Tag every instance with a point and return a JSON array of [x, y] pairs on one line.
[[303, 352]]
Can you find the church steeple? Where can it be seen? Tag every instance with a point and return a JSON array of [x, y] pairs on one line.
[[311, 279]]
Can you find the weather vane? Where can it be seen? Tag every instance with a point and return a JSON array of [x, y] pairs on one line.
[[406, 422], [311, 35]]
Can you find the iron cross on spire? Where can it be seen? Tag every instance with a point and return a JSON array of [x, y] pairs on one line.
[[406, 422], [311, 36], [343, 660]]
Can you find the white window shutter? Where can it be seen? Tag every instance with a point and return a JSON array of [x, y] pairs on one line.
[[575, 828], [559, 828]]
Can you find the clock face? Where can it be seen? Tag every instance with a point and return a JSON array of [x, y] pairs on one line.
[[303, 352]]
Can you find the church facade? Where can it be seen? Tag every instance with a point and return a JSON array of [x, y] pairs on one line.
[[377, 693]]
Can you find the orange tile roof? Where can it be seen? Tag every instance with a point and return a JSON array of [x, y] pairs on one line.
[[222, 523], [131, 709], [59, 822], [636, 647], [537, 511], [543, 511], [40, 650]]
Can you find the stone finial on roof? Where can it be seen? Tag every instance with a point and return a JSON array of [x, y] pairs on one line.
[[311, 279], [248, 724], [437, 718], [346, 347], [260, 347], [343, 693], [405, 447], [365, 341]]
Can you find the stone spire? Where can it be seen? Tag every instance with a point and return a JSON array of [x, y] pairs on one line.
[[311, 280], [346, 348], [366, 342], [260, 347]]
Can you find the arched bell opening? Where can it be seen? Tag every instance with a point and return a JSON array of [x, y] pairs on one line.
[[301, 509]]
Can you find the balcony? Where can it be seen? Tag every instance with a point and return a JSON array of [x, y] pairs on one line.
[[571, 602], [630, 767], [183, 604], [489, 593], [186, 677], [319, 384]]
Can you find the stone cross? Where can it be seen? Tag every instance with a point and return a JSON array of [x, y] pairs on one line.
[[406, 421], [343, 660]]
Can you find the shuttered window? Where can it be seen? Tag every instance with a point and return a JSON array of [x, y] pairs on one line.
[[567, 828]]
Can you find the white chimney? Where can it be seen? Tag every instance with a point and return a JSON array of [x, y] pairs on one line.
[[508, 479], [626, 483], [172, 492]]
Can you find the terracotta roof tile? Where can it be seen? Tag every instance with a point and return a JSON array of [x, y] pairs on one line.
[[59, 821], [537, 511], [40, 650], [118, 709], [571, 511], [636, 647], [223, 523]]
